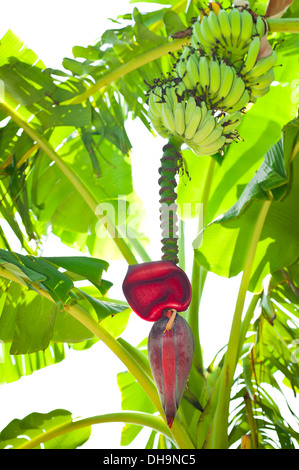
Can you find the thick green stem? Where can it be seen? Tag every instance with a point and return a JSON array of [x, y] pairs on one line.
[[285, 25], [141, 419], [197, 281], [251, 421], [72, 177], [219, 432], [168, 206]]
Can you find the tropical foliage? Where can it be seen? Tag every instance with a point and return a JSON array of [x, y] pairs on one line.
[[64, 151]]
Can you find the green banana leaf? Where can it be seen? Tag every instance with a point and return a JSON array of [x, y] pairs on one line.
[[13, 367], [225, 241], [19, 431], [102, 146], [33, 326]]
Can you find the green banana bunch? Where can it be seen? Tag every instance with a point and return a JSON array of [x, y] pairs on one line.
[[217, 82], [227, 33], [213, 80], [155, 102], [189, 119]]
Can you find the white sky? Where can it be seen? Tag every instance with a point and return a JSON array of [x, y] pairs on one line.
[[85, 383]]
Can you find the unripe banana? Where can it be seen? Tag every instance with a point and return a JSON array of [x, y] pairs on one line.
[[170, 96], [168, 118], [161, 130], [181, 69], [214, 77], [209, 149], [180, 88], [235, 94], [198, 36], [215, 28], [260, 26], [262, 66], [246, 29], [179, 118], [204, 110], [241, 103], [214, 135], [263, 80], [258, 93], [225, 27], [192, 71], [206, 32], [205, 129], [189, 110], [252, 55], [204, 72], [193, 123], [227, 75], [154, 106], [235, 22]]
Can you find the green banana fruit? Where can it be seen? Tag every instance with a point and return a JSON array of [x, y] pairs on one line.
[[204, 72], [241, 103], [246, 29], [197, 37], [179, 118], [262, 66], [170, 96], [227, 75], [235, 22], [225, 27], [154, 105], [189, 110], [192, 71], [235, 94], [215, 77], [205, 129], [215, 28], [260, 26], [263, 80], [206, 32], [258, 93], [213, 136], [168, 118], [252, 55], [193, 123], [209, 149]]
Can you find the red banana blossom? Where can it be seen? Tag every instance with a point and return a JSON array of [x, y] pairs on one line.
[[156, 291], [170, 354], [150, 288]]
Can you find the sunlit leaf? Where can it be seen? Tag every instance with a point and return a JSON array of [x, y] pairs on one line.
[[19, 431]]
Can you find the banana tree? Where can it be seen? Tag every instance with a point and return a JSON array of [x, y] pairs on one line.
[[218, 82]]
